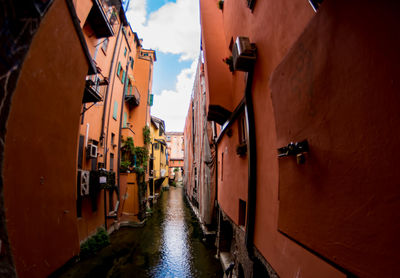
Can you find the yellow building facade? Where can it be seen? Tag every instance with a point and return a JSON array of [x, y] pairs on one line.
[[158, 165]]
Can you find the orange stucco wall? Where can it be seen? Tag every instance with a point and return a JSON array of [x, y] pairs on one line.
[[91, 220], [40, 148], [138, 118], [82, 8]]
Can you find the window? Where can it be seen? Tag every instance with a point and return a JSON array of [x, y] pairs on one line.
[[131, 61], [104, 46], [156, 146], [242, 212], [119, 69], [125, 52], [123, 77], [162, 148], [112, 138], [121, 73], [115, 111], [111, 162], [80, 153], [124, 123], [242, 129], [130, 88]]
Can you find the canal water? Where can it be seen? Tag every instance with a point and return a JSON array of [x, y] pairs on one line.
[[169, 246]]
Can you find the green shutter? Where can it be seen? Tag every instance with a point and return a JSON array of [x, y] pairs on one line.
[[151, 99], [130, 90], [119, 68], [123, 77], [124, 120], [115, 112], [125, 52]]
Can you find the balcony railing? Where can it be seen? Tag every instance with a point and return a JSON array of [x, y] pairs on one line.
[[132, 96], [102, 18], [95, 88]]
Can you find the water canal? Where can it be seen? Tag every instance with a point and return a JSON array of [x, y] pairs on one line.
[[169, 245]]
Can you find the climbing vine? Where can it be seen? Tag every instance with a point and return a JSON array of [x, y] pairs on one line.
[[135, 159], [146, 135]]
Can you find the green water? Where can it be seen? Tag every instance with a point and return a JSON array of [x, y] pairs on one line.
[[169, 245]]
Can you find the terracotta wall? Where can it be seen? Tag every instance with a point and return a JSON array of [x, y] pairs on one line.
[[273, 26], [91, 220], [139, 116], [215, 49], [188, 160], [232, 175], [40, 152], [342, 75]]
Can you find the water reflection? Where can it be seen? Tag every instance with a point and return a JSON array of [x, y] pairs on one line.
[[169, 245], [175, 248]]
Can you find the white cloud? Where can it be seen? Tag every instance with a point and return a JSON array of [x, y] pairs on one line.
[[137, 13], [173, 28], [172, 106]]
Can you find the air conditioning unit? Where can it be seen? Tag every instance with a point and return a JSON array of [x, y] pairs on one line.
[[244, 54], [83, 180], [92, 151]]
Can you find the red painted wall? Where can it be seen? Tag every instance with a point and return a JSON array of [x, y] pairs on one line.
[[40, 148], [342, 74], [232, 175], [215, 50], [273, 26]]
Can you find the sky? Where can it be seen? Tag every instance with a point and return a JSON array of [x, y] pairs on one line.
[[172, 28]]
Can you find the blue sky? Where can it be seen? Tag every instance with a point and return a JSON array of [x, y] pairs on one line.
[[172, 28], [154, 5], [166, 70]]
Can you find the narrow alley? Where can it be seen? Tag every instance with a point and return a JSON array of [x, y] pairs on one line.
[[169, 245], [199, 138]]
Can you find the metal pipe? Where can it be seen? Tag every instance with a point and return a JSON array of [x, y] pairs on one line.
[[110, 74], [120, 128], [105, 209], [252, 165]]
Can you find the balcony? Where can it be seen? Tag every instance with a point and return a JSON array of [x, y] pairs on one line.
[[132, 96], [94, 88], [218, 114], [102, 18]]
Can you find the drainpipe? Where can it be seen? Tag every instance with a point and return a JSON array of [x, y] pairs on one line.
[[252, 165], [110, 74], [120, 128], [216, 194]]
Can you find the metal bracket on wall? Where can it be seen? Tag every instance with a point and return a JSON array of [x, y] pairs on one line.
[[297, 149]]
